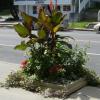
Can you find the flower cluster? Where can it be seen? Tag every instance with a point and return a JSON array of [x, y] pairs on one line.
[[23, 64]]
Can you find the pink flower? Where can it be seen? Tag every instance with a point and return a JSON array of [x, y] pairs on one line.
[[23, 64]]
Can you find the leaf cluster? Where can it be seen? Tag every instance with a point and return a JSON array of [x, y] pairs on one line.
[[47, 23]]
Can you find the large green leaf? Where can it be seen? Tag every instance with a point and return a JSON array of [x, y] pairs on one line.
[[56, 17], [27, 19], [21, 46], [42, 15], [56, 28], [21, 30], [42, 34]]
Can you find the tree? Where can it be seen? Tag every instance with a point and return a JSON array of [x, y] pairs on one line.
[[4, 4], [8, 4], [13, 10]]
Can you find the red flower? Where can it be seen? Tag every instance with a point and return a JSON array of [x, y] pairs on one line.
[[23, 64], [51, 5], [55, 68]]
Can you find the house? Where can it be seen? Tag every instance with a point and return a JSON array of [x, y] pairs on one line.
[[70, 7]]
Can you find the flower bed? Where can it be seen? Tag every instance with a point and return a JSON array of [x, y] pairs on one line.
[[48, 89]]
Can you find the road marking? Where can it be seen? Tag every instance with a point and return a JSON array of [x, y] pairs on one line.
[[88, 41], [5, 45], [94, 54]]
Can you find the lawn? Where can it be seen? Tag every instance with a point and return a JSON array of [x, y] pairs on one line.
[[78, 24], [4, 12]]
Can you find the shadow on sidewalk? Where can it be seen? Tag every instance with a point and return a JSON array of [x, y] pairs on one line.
[[87, 93]]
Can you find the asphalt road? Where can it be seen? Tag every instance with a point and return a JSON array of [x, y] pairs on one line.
[[9, 38]]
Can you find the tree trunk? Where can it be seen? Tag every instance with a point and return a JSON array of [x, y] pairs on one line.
[[14, 11]]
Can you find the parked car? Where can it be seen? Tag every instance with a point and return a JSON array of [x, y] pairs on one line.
[[97, 28]]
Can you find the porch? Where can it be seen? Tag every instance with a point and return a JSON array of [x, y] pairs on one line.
[[35, 2]]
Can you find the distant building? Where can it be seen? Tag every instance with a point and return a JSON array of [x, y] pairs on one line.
[[70, 7]]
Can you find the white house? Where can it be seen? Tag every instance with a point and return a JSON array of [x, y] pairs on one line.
[[69, 7]]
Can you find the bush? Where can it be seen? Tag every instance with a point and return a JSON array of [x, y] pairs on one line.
[[63, 63]]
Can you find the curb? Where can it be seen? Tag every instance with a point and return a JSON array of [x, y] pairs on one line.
[[7, 26], [70, 88], [10, 25], [78, 29]]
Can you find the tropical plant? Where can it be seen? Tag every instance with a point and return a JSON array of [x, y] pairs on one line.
[[48, 25], [51, 56], [46, 39]]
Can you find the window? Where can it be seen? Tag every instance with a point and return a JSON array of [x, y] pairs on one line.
[[34, 10], [58, 8], [81, 1], [66, 8]]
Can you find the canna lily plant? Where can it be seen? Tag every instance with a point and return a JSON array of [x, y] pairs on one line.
[[48, 25], [44, 45]]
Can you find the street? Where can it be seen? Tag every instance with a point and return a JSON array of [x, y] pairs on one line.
[[9, 38]]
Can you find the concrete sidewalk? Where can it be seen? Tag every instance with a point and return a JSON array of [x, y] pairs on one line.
[[87, 93], [6, 68]]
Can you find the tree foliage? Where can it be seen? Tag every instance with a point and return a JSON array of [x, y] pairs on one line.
[[5, 4], [8, 4]]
